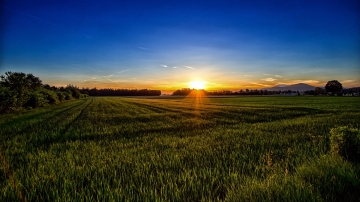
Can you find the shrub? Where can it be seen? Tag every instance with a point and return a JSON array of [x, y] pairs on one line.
[[51, 96], [345, 142], [67, 95], [75, 92], [61, 96], [36, 99], [84, 95], [7, 99]]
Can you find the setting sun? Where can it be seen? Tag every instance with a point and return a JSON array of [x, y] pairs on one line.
[[197, 85]]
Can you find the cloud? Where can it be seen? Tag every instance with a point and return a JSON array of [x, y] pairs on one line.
[[143, 48], [247, 75], [108, 76], [269, 79], [40, 19], [110, 80], [280, 85], [278, 76], [164, 65], [347, 81], [306, 81], [123, 71], [93, 79], [189, 67], [259, 84], [174, 67]]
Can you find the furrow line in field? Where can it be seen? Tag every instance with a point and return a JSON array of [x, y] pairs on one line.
[[155, 109], [162, 109], [25, 127], [52, 129], [130, 109], [40, 117], [67, 127]]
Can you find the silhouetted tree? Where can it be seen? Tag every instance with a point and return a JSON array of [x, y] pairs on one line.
[[333, 86], [319, 91], [120, 92], [183, 91]]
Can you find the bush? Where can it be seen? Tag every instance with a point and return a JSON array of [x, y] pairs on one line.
[[51, 96], [74, 91], [84, 95], [36, 99], [334, 178], [345, 142], [61, 96], [7, 99], [67, 95]]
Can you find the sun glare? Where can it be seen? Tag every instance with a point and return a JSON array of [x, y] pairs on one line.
[[197, 85]]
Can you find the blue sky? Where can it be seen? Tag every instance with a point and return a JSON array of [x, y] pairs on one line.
[[167, 44]]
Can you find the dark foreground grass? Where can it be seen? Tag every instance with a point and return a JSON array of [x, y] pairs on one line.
[[209, 149]]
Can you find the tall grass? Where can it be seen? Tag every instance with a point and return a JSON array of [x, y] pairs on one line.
[[213, 149]]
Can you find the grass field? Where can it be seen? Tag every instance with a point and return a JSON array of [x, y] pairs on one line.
[[179, 149]]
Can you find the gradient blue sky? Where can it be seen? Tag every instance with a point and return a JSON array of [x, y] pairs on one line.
[[167, 44]]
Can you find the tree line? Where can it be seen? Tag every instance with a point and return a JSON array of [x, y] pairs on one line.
[[187, 91], [331, 88], [19, 90], [120, 92]]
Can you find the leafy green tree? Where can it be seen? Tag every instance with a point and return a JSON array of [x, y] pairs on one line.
[[21, 85], [333, 86], [19, 81]]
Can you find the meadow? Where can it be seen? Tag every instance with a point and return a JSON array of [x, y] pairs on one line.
[[179, 149]]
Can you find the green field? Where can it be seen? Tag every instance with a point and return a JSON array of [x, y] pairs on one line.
[[179, 149]]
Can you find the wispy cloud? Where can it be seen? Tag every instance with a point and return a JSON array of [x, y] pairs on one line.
[[306, 81], [280, 85], [40, 19], [347, 81], [278, 76], [269, 79], [143, 48], [97, 78], [174, 67], [189, 67], [164, 65], [247, 75], [259, 84], [123, 71]]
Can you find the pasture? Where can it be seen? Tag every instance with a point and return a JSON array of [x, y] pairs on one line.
[[179, 149]]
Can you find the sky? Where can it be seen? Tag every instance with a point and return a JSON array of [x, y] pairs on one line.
[[166, 45]]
